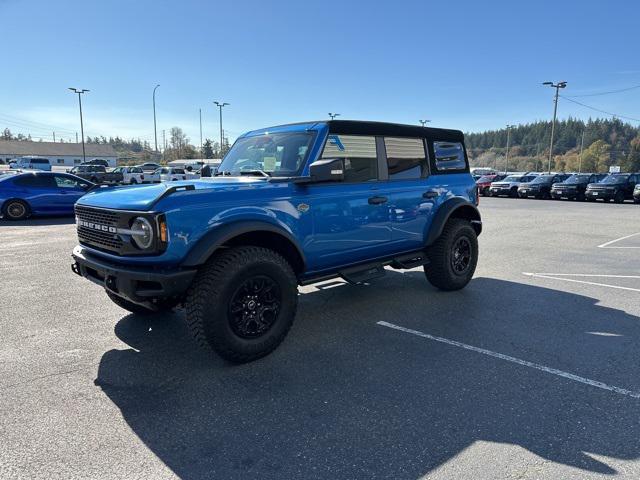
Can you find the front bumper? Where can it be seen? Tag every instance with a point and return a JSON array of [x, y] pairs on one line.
[[564, 193], [528, 192], [500, 191], [138, 284], [600, 194]]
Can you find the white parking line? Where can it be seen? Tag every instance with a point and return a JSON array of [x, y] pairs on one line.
[[556, 276], [508, 358], [606, 245]]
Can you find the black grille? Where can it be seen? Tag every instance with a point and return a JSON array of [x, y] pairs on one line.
[[94, 237]]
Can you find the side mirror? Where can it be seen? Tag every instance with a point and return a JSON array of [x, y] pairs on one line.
[[326, 170]]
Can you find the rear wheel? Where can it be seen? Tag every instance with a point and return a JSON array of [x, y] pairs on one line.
[[16, 210], [242, 303], [133, 181], [453, 257]]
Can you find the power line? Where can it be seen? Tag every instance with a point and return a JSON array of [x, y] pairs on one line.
[[601, 111], [604, 93]]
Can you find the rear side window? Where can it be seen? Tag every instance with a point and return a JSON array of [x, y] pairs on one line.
[[406, 158], [35, 181], [449, 156], [179, 171], [40, 161], [359, 154]]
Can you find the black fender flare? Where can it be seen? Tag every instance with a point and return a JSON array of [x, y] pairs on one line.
[[454, 207], [218, 236]]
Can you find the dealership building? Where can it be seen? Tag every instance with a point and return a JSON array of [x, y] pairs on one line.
[[59, 154]]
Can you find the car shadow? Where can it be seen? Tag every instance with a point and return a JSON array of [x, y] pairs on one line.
[[36, 221], [346, 398]]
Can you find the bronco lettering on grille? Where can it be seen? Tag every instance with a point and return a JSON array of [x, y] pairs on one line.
[[96, 226]]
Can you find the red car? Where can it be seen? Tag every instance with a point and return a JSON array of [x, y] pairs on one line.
[[484, 182]]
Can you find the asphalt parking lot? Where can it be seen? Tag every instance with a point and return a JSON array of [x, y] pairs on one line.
[[530, 372]]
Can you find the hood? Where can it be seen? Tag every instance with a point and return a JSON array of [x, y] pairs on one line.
[[143, 197]]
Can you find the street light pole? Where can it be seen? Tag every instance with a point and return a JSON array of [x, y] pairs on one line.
[[424, 122], [200, 111], [155, 130], [80, 92], [581, 145], [506, 161], [557, 86], [333, 115], [220, 105]]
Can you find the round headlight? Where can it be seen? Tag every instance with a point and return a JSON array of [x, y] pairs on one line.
[[142, 232]]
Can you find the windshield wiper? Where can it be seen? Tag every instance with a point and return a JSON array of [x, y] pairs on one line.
[[254, 172]]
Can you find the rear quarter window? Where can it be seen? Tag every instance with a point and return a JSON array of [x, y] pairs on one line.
[[449, 157]]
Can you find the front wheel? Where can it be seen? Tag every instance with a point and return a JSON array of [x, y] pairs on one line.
[[453, 257], [242, 303], [619, 198]]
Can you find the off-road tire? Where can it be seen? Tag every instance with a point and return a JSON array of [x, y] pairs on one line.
[[161, 306], [619, 197], [16, 210], [440, 270], [211, 295]]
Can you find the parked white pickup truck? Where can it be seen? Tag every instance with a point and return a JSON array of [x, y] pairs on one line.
[[171, 174], [132, 175]]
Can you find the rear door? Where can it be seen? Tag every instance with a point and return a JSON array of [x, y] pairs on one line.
[[412, 192], [39, 191]]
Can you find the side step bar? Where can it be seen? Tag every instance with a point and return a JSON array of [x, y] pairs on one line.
[[365, 273]]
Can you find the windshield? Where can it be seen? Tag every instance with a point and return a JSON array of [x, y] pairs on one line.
[[277, 154], [542, 179], [615, 179], [487, 178], [513, 178], [577, 179]]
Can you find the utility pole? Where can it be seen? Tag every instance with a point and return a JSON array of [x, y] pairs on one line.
[[54, 137], [164, 143], [557, 86], [333, 115], [200, 110], [506, 161], [220, 105], [424, 122], [80, 92], [155, 131], [581, 146]]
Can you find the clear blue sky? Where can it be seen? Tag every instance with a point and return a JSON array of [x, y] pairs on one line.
[[470, 65]]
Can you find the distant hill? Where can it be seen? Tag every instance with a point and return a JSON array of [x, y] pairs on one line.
[[606, 142]]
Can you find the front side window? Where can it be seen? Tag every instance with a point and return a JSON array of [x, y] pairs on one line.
[[406, 158], [449, 156], [359, 154], [62, 181], [276, 154]]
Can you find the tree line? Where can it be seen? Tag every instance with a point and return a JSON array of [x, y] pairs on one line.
[[606, 142]]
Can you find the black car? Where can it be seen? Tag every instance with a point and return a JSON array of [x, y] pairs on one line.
[[574, 187], [636, 193], [616, 186], [540, 187]]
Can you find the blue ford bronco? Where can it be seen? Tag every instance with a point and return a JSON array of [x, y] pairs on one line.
[[290, 205]]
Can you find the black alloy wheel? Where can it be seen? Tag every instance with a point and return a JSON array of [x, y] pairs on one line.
[[255, 306]]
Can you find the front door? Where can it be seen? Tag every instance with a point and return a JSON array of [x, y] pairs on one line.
[[350, 218]]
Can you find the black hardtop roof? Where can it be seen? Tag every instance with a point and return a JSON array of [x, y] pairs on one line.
[[358, 127], [365, 127]]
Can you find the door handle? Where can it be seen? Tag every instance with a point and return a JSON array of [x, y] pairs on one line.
[[430, 194], [377, 200]]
